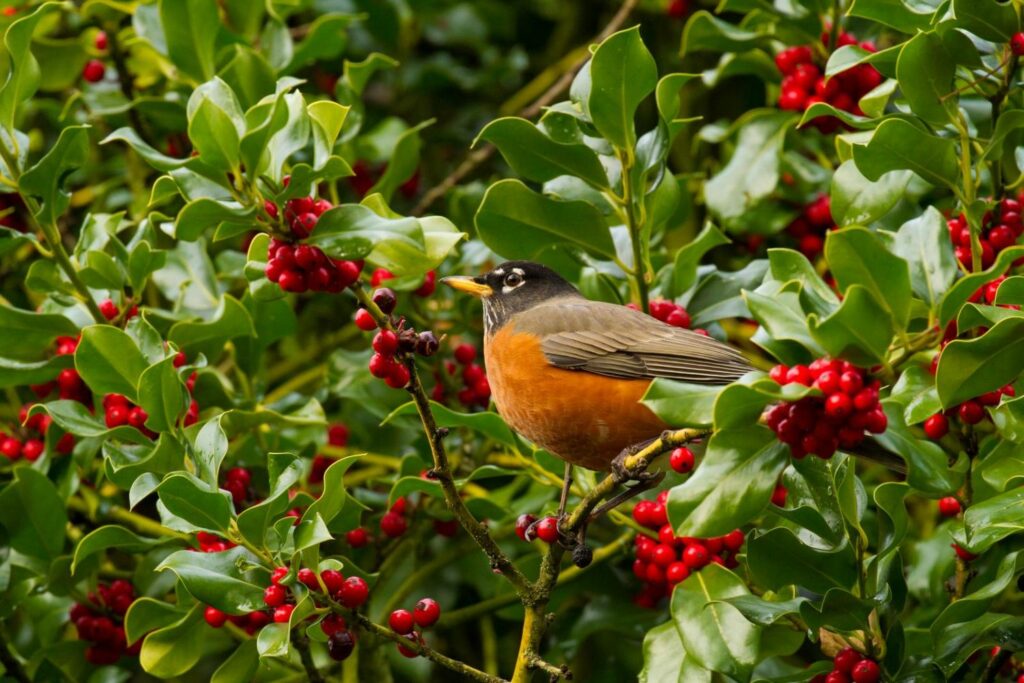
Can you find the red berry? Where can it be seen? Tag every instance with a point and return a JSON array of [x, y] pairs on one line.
[[678, 318], [275, 595], [695, 556], [846, 659], [877, 421], [333, 623], [799, 374], [393, 524], [426, 613], [333, 580], [401, 621], [677, 572], [970, 412], [547, 530], [664, 555], [681, 460], [93, 71], [734, 540], [936, 426], [109, 309], [385, 342], [661, 309], [1017, 44], [117, 416], [837, 677], [779, 495], [278, 574], [32, 449], [866, 671], [964, 555], [307, 577], [353, 592], [214, 617], [828, 382], [398, 377], [778, 374], [838, 405], [428, 286], [304, 224], [293, 281], [337, 435], [792, 99], [364, 320], [523, 523], [465, 353], [101, 41], [357, 538], [283, 614], [380, 275], [851, 382], [949, 506], [381, 366]]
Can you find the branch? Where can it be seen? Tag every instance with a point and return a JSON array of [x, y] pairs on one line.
[[302, 645], [116, 513], [425, 651], [479, 156], [442, 469]]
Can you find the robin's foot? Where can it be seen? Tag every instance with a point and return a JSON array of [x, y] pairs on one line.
[[623, 473]]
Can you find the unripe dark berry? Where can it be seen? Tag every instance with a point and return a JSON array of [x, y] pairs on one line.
[[385, 299], [333, 623], [340, 645], [681, 460], [427, 344], [401, 621]]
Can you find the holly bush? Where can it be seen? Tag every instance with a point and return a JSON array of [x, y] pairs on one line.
[[246, 436]]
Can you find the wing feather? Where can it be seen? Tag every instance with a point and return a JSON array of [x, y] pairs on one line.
[[616, 341]]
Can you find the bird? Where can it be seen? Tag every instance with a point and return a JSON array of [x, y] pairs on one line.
[[568, 373]]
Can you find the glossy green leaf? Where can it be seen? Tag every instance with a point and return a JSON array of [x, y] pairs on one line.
[[682, 405], [173, 650], [925, 71], [895, 13], [992, 20], [971, 367], [187, 497], [15, 373], [707, 33], [240, 666], [915, 391], [922, 243], [857, 200], [230, 321], [537, 157], [405, 160], [777, 558], [622, 74], [25, 335], [665, 660], [731, 486], [162, 395], [204, 213], [929, 467], [860, 330], [216, 579], [858, 257], [109, 361], [45, 179], [684, 269], [22, 69], [897, 145], [993, 519], [713, 632], [111, 536], [516, 222], [33, 513], [190, 30], [966, 286]]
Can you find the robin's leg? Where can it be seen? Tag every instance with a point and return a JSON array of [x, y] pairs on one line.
[[566, 485], [622, 473]]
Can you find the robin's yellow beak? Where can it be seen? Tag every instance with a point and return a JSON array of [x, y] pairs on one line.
[[469, 285]]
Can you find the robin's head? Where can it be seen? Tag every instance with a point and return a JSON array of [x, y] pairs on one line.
[[511, 288]]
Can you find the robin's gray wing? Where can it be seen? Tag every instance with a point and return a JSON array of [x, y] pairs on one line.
[[611, 340]]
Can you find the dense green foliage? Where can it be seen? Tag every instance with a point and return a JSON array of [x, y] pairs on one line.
[[205, 205]]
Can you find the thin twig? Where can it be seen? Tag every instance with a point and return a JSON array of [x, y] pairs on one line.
[[479, 156], [302, 645]]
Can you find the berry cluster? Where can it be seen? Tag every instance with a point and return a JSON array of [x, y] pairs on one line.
[[101, 622], [70, 385], [29, 441], [476, 390], [803, 84], [302, 267], [849, 665], [212, 543], [809, 228], [392, 346], [393, 523], [403, 622], [427, 287], [236, 482], [1000, 228], [337, 436], [839, 418], [110, 310], [970, 412], [667, 560], [820, 425]]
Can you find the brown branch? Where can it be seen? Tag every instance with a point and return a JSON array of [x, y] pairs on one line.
[[479, 156], [995, 665], [500, 562], [424, 650], [302, 645]]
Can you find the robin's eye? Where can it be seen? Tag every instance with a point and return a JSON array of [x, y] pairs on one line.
[[513, 280]]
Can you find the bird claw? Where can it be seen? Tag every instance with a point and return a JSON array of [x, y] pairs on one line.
[[623, 474]]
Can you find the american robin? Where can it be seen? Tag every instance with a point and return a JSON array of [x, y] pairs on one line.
[[568, 373]]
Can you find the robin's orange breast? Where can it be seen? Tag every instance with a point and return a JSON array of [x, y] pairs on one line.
[[583, 418]]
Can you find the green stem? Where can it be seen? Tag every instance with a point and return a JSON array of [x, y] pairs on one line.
[[641, 271], [87, 501], [968, 192]]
